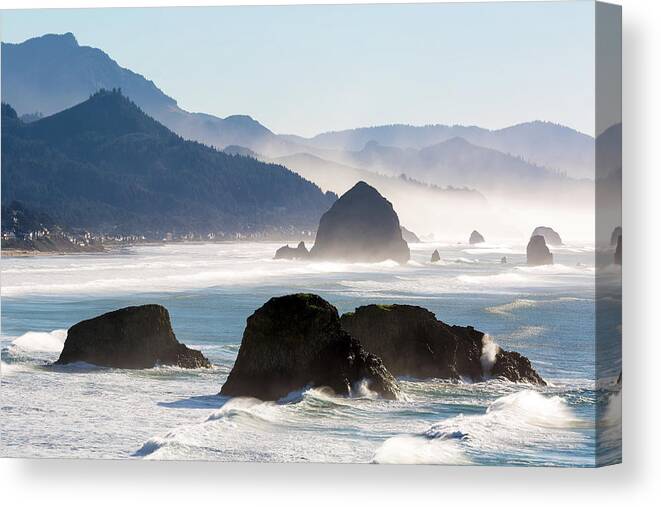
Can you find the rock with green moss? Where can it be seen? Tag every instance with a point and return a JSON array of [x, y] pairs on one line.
[[296, 341], [412, 342]]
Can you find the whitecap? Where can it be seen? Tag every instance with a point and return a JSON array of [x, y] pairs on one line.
[[39, 341]]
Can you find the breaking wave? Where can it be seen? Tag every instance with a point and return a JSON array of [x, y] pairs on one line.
[[518, 425], [38, 341]]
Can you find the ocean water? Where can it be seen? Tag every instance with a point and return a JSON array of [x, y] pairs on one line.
[[546, 313]]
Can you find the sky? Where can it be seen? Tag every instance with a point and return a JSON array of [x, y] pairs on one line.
[[309, 69]]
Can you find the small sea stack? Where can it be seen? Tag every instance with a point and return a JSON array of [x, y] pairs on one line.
[[361, 226], [435, 256], [287, 252], [550, 236], [475, 238], [617, 258], [503, 260], [409, 236], [297, 341], [537, 253], [411, 341], [133, 337], [617, 232]]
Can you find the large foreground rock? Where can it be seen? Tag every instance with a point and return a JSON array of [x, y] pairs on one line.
[[475, 238], [550, 236], [537, 253], [132, 337], [287, 252], [411, 341], [361, 226], [296, 341]]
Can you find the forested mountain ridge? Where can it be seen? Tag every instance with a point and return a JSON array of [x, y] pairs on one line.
[[104, 165]]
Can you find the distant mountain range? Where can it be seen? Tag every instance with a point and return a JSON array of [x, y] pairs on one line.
[[106, 166], [50, 73]]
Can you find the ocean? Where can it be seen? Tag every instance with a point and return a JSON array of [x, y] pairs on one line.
[[546, 313]]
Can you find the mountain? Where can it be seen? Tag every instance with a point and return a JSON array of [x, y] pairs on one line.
[[457, 162], [105, 165], [53, 72], [540, 143]]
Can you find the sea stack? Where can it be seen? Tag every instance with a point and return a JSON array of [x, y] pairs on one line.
[[412, 342], [475, 238], [361, 226], [435, 256], [286, 252], [503, 260], [618, 251], [297, 341], [132, 337], [537, 252], [617, 232], [550, 236]]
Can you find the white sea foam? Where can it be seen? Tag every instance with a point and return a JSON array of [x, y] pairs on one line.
[[509, 308], [419, 450], [520, 425], [37, 341], [489, 351]]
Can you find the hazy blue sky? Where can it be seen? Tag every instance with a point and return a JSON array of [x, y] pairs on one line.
[[307, 69]]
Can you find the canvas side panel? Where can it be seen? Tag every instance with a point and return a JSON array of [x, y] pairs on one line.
[[608, 227]]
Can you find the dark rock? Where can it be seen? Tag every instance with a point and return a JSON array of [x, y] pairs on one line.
[[435, 256], [503, 260], [617, 232], [537, 252], [361, 226], [409, 236], [132, 337], [411, 341], [476, 238], [296, 341], [286, 252], [617, 258], [550, 236]]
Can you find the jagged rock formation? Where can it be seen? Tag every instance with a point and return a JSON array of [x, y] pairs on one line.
[[132, 337], [296, 341], [361, 226], [411, 341], [537, 252], [286, 252], [550, 236], [475, 238]]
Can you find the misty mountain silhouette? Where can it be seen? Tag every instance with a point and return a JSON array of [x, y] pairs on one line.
[[106, 165]]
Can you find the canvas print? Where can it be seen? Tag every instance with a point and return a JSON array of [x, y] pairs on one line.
[[384, 234]]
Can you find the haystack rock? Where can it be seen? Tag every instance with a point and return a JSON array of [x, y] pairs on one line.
[[296, 341], [361, 226], [617, 232], [412, 342], [475, 238], [537, 252], [132, 337], [550, 236], [435, 256], [409, 236], [287, 252], [618, 251]]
